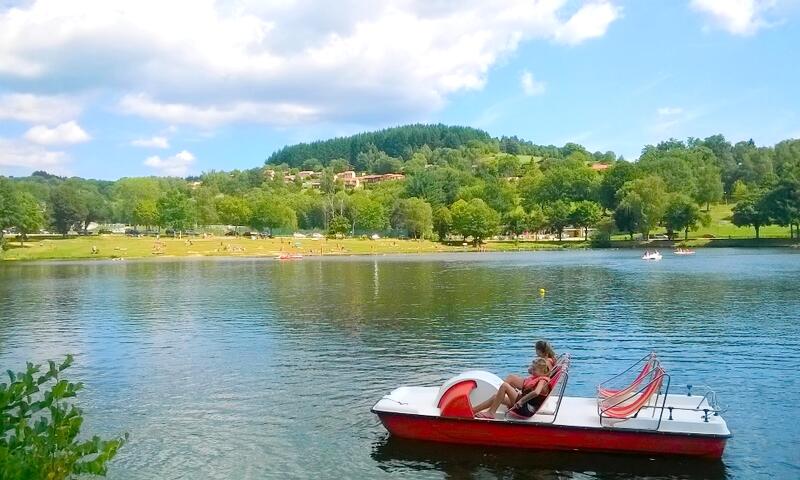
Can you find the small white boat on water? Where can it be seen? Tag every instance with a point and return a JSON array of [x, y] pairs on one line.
[[651, 256], [683, 251]]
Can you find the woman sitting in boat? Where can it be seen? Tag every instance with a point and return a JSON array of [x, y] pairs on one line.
[[543, 350], [523, 403]]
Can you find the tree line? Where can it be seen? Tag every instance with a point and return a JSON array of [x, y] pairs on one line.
[[481, 188]]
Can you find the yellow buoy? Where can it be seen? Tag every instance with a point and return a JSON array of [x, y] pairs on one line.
[[541, 291]]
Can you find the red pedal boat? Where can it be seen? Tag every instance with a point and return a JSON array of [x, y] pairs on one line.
[[639, 417]]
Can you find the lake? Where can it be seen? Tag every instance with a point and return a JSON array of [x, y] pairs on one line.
[[240, 368]]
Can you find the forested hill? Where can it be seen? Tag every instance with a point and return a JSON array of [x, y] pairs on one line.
[[395, 142]]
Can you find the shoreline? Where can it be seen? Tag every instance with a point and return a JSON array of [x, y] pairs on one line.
[[117, 248]]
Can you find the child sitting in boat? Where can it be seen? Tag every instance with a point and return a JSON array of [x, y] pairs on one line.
[[543, 350], [523, 403]]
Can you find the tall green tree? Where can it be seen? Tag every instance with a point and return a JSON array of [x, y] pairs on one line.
[[233, 211], [175, 211], [366, 213], [413, 215], [558, 215], [751, 212], [709, 186], [681, 213], [7, 201], [29, 216], [66, 208], [442, 222], [475, 219], [585, 214], [270, 212], [515, 221], [643, 202]]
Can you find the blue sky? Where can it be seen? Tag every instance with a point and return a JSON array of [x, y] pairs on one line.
[[107, 89]]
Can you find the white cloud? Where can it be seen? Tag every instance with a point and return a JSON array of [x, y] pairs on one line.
[[668, 111], [213, 115], [530, 85], [207, 63], [153, 142], [65, 133], [17, 154], [590, 21], [176, 165], [739, 17], [24, 107]]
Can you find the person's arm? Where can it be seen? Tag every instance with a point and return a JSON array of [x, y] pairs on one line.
[[534, 393]]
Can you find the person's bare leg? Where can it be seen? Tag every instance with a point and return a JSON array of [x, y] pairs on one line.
[[508, 397], [514, 380], [499, 397]]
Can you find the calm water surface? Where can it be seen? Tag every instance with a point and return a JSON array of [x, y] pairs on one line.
[[233, 369]]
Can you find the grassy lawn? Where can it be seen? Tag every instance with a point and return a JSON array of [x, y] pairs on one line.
[[119, 246], [722, 228]]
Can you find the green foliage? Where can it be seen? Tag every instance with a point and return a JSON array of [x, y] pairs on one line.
[[681, 213], [175, 211], [475, 219], [605, 228], [233, 210], [642, 205], [270, 212], [584, 214], [146, 213], [339, 225], [413, 215], [558, 216], [515, 221], [39, 428], [394, 142], [709, 185], [366, 213], [751, 212], [442, 221], [66, 208]]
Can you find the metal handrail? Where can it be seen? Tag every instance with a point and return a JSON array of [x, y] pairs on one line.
[[601, 410], [649, 357]]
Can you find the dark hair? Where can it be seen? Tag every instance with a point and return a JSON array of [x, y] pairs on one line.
[[544, 347]]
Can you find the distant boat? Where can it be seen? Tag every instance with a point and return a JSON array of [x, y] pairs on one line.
[[290, 256], [683, 251], [651, 256]]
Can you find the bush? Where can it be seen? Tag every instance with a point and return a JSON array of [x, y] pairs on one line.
[[39, 428], [4, 244], [104, 231], [602, 235]]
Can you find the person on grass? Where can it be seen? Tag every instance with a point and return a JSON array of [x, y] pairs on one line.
[[524, 402]]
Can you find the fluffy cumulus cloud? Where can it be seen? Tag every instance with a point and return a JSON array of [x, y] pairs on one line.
[[25, 107], [152, 142], [207, 63], [17, 154], [531, 86], [62, 134], [176, 165], [739, 17]]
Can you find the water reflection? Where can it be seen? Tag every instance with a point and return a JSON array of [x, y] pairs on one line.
[[469, 462], [234, 369]]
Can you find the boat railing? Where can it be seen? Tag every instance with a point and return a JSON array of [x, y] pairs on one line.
[[612, 386], [714, 406], [658, 387]]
